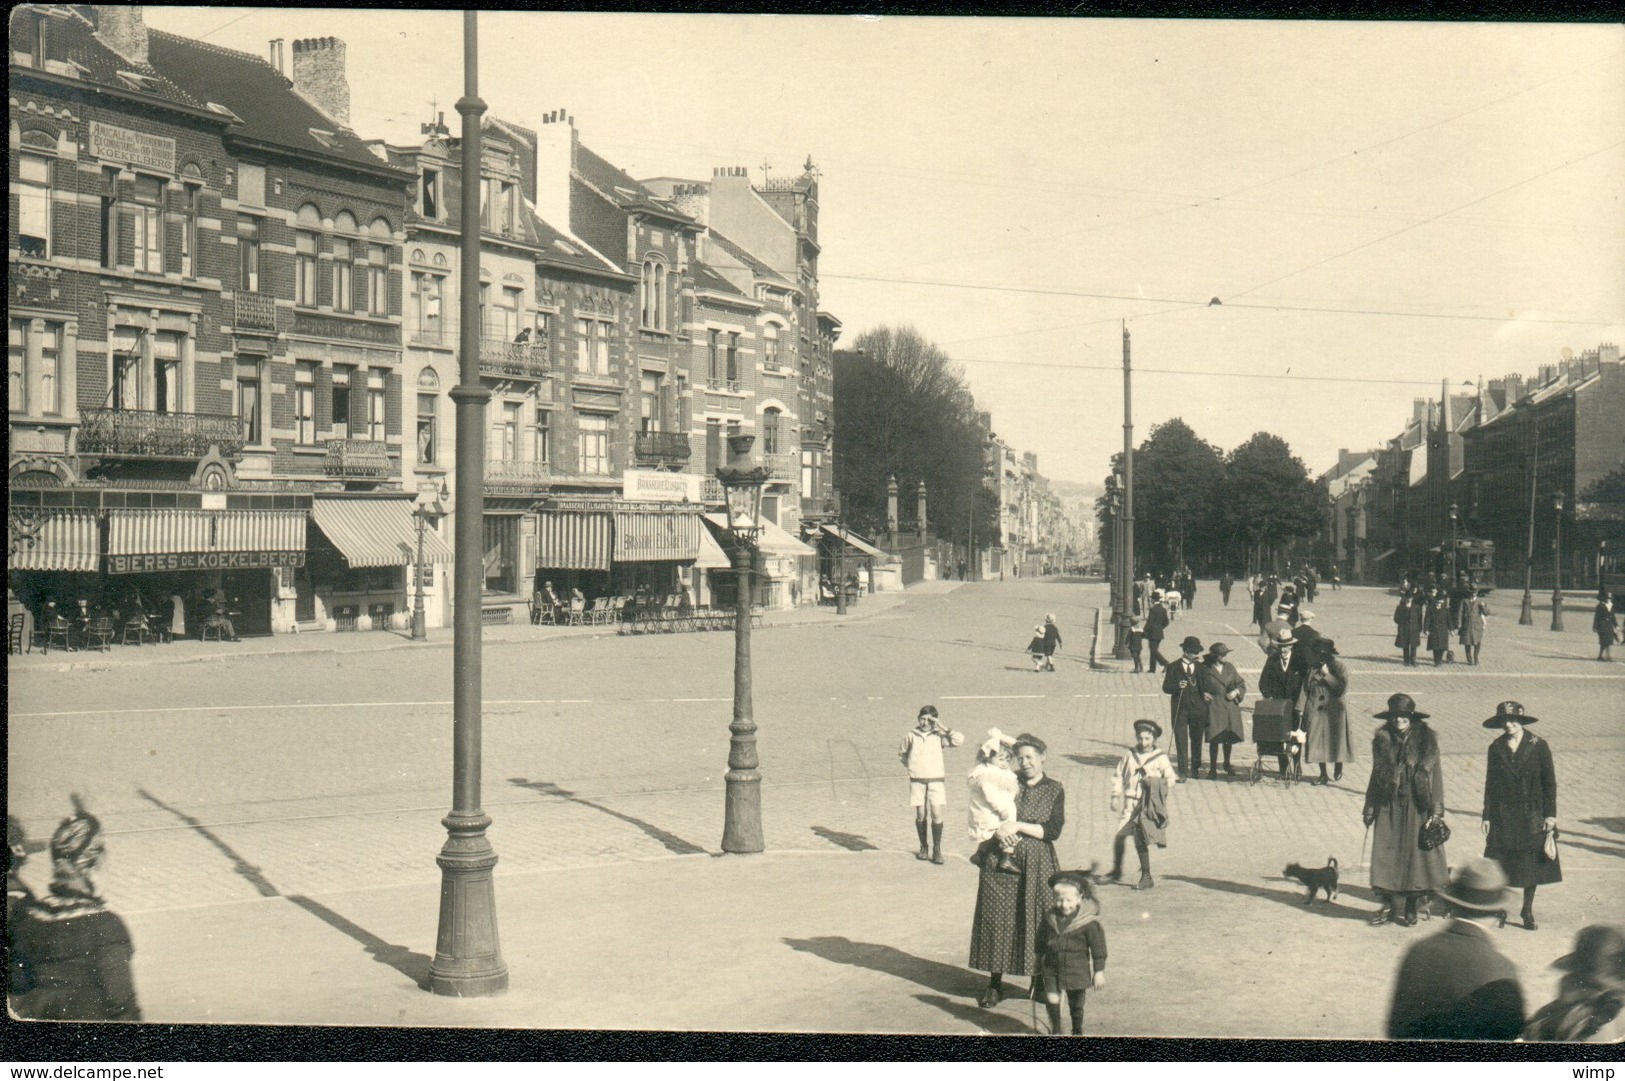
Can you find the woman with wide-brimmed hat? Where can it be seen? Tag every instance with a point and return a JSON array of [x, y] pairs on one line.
[[1223, 688], [1406, 790], [1590, 1002], [1321, 710], [1520, 805]]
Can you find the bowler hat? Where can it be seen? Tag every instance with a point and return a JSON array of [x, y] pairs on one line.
[[1191, 644], [1323, 646], [1218, 649], [1283, 633], [1509, 711], [1152, 726], [1401, 705], [1479, 885]]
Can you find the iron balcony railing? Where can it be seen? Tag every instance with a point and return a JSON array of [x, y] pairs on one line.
[[365, 458], [527, 360], [511, 473], [711, 492], [146, 433], [783, 466], [731, 386], [665, 447], [255, 311]]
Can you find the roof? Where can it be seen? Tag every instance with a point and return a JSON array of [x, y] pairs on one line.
[[619, 187], [261, 97], [710, 281], [757, 267], [72, 37], [561, 250]]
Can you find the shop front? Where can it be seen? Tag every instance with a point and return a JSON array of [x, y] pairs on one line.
[[364, 550], [782, 564], [617, 548], [56, 557]]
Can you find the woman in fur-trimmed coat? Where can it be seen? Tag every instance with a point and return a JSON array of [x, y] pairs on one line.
[[1406, 789]]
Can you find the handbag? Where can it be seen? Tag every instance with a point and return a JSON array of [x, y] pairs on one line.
[[1548, 848], [1434, 832]]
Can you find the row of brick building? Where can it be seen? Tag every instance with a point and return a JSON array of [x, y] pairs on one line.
[[234, 324]]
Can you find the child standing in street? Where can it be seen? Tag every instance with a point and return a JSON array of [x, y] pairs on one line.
[[1071, 947], [1035, 649], [993, 790], [921, 753], [1136, 640]]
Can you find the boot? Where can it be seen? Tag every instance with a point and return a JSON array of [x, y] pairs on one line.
[[936, 843], [1054, 1011], [1385, 914], [1528, 912], [1007, 862], [1337, 771], [1146, 882], [1409, 919], [925, 851], [1322, 779]]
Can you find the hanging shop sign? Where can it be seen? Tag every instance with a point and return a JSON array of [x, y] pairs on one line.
[[203, 561]]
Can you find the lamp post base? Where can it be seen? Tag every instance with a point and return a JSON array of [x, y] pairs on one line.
[[468, 960], [420, 628], [742, 813], [1526, 614], [1557, 610]]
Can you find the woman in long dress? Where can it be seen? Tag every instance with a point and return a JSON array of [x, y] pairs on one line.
[[1010, 908], [1322, 711], [1520, 805], [1223, 688], [1406, 790]]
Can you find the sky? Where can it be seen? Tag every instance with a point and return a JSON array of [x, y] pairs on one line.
[[1377, 207]]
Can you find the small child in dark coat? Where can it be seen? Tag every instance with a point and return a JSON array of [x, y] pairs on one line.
[[1035, 648], [1071, 947]]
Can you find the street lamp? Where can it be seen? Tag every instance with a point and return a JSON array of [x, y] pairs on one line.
[[1557, 561], [840, 558], [423, 512], [742, 802], [1453, 520]]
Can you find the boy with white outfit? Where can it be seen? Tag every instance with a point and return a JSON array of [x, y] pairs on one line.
[[928, 793]]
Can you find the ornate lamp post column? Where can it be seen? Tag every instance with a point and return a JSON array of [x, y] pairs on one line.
[[840, 559], [1557, 561], [423, 512], [742, 801]]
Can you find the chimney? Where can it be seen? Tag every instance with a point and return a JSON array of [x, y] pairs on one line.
[[277, 56], [318, 74], [1419, 409], [1608, 353], [556, 143], [1515, 388], [121, 27], [1548, 374]]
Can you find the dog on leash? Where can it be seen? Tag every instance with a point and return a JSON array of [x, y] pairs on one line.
[[1316, 878]]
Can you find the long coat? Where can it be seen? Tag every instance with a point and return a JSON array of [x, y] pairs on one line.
[[1520, 789], [1325, 716], [1605, 625], [1052, 639], [79, 956], [1069, 957], [1009, 908], [1405, 789], [1408, 620], [1438, 624], [1185, 705], [1455, 985], [1224, 688], [1473, 612], [1156, 623]]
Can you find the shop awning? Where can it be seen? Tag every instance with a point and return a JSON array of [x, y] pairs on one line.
[[1385, 555], [67, 541], [179, 539], [772, 540], [376, 532], [711, 556], [645, 535], [856, 542], [573, 540]]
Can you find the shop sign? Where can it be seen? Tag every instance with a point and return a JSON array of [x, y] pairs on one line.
[[132, 147], [203, 561], [322, 326], [653, 486]]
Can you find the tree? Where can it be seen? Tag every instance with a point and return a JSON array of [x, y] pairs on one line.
[[1268, 498], [1177, 479]]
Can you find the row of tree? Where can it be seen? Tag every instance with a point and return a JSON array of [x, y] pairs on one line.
[[1197, 506]]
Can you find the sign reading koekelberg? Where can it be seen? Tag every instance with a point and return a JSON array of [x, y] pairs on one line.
[[111, 143], [203, 561]]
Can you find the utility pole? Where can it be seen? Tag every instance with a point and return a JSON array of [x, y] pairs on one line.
[[1526, 614], [1125, 584]]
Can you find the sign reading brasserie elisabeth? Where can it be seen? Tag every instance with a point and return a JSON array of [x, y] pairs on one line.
[[203, 561], [111, 143]]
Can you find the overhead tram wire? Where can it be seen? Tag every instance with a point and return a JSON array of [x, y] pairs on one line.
[[1117, 368]]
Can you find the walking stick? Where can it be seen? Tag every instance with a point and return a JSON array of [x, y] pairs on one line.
[[1361, 866]]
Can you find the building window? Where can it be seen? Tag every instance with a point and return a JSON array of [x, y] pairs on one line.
[[248, 254], [166, 371], [770, 431], [654, 294], [584, 329], [148, 219], [653, 417], [508, 207], [425, 319], [248, 401], [304, 403], [501, 535], [378, 279], [713, 368], [341, 401], [429, 193], [807, 460], [513, 302], [343, 274], [713, 445], [17, 364], [35, 388], [770, 347], [593, 442], [110, 217], [190, 194], [544, 436], [502, 442], [34, 205], [427, 410], [304, 269], [377, 405], [126, 374]]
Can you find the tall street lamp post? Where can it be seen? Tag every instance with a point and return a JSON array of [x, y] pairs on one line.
[[423, 512], [840, 558], [742, 801], [1454, 520], [1557, 561]]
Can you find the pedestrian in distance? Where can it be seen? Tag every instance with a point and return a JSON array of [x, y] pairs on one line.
[[921, 753], [1408, 627], [1071, 948], [993, 791], [1337, 580], [1405, 793], [1156, 626], [1311, 584], [1140, 789], [1605, 625], [1052, 642], [1010, 908], [78, 949], [1035, 648], [1520, 805], [1226, 583], [1455, 985], [1223, 688], [1322, 710], [1438, 625], [1187, 711], [1590, 1002], [1287, 606], [1475, 614], [1305, 633]]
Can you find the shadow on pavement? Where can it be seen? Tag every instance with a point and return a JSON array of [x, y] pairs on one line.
[[670, 841], [1567, 841], [933, 975], [993, 1021], [1293, 898], [414, 966], [1107, 761], [849, 841], [1612, 825]]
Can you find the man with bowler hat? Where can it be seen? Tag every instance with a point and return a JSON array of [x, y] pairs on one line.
[[1455, 985], [1187, 708]]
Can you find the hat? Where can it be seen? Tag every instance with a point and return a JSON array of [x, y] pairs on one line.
[[1218, 649], [995, 740], [1281, 632], [1323, 645], [1037, 629], [1191, 644], [1479, 885], [1153, 726], [1079, 879], [1599, 952], [1305, 615], [1401, 705], [1509, 711], [1050, 618]]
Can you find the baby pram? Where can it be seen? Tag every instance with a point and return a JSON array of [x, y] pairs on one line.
[[1273, 735]]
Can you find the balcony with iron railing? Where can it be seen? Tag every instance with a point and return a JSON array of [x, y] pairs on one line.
[[725, 386], [254, 312], [524, 360], [711, 492], [360, 459], [146, 433], [782, 466], [662, 448], [516, 474]]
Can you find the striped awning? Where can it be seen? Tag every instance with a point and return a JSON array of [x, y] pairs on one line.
[[771, 540], [67, 541], [376, 532], [857, 543], [645, 535], [711, 556], [165, 531], [573, 540]]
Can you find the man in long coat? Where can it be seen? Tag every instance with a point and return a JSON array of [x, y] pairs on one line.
[[1181, 682], [1408, 627], [1282, 677], [1156, 626]]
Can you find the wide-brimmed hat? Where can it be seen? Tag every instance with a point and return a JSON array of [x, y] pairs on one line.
[[1323, 645], [1509, 711], [1050, 618], [1305, 615], [1479, 885], [1218, 649], [1191, 644], [1599, 952], [1280, 631], [1153, 726], [1402, 705]]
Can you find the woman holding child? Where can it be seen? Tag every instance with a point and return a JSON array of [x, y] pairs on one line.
[[1010, 907]]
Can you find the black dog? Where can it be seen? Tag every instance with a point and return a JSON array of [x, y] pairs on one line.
[[1316, 878]]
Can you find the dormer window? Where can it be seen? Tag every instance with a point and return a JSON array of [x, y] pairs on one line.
[[326, 138], [137, 81], [429, 193], [216, 107]]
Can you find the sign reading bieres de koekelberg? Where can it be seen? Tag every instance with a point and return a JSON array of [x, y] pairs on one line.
[[131, 147]]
